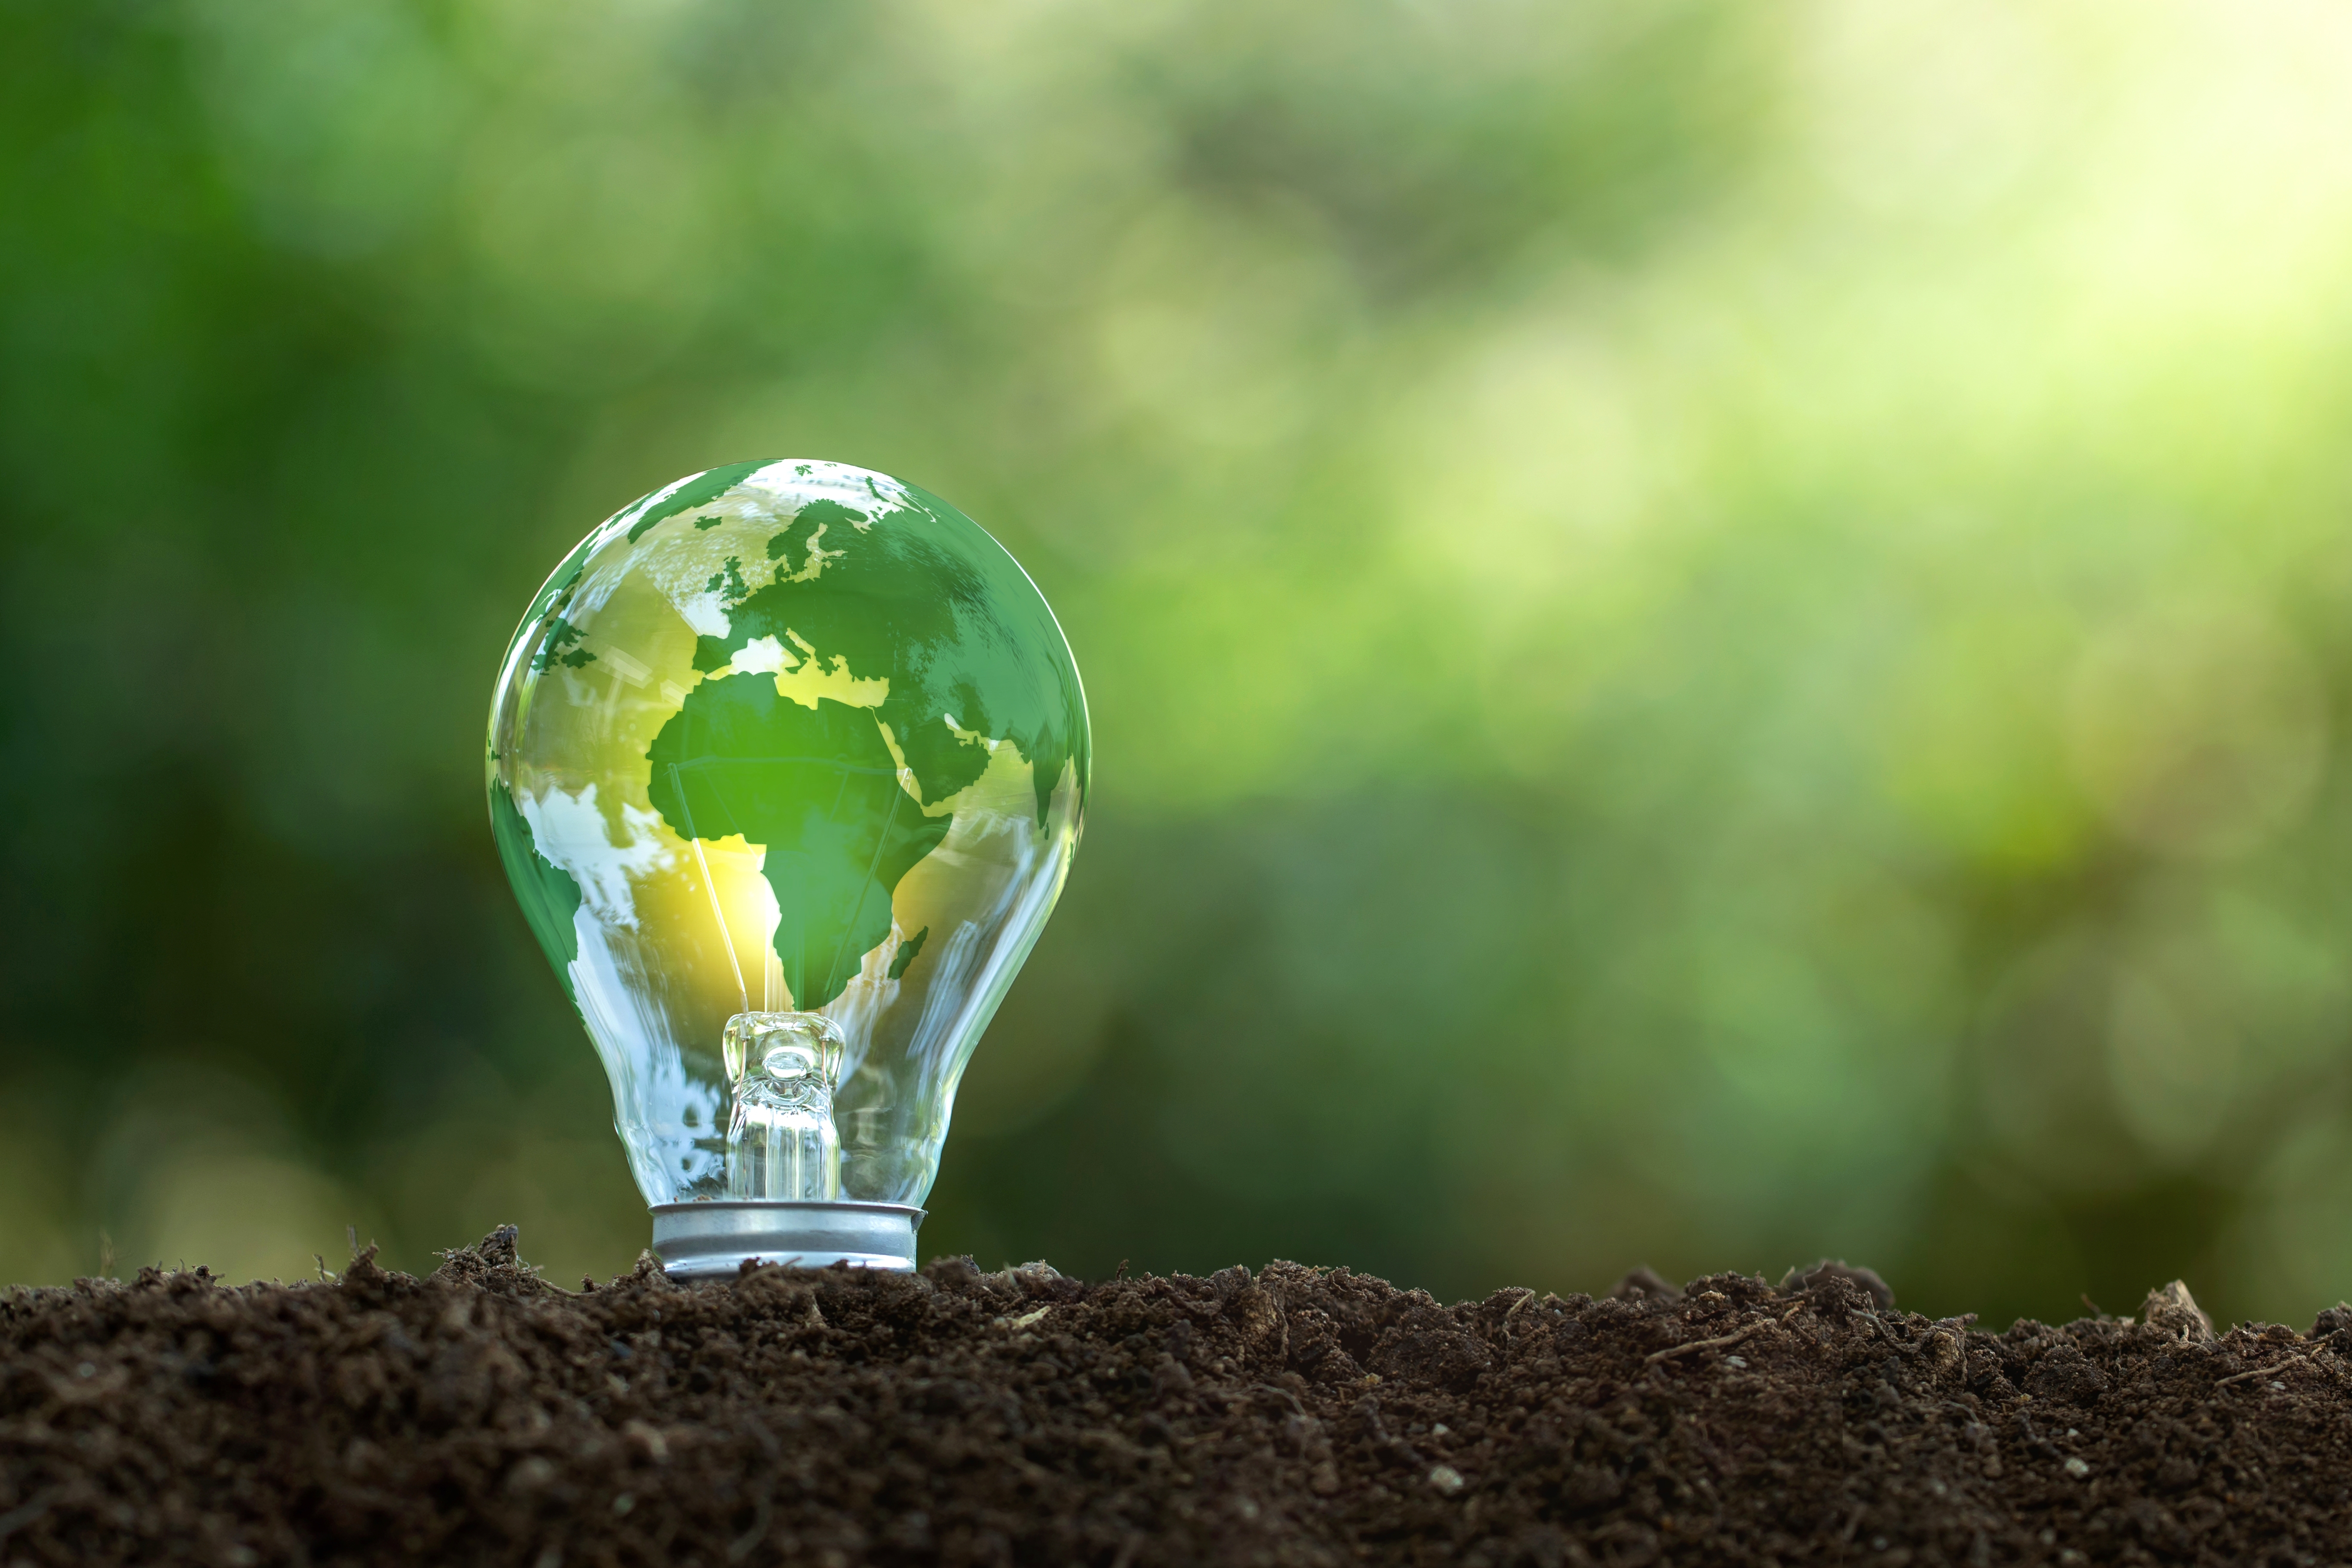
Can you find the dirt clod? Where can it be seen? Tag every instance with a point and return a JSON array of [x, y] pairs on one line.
[[1297, 1416], [1839, 1268]]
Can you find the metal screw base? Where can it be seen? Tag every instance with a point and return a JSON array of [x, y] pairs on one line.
[[720, 1235]]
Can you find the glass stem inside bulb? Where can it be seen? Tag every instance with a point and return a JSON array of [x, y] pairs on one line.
[[780, 1142]]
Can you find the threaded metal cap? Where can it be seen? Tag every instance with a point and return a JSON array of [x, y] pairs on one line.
[[720, 1235]]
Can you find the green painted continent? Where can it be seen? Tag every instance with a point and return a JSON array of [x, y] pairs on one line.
[[818, 790], [549, 896], [694, 492], [921, 596]]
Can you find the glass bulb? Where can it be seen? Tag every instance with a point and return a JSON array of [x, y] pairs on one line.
[[787, 765]]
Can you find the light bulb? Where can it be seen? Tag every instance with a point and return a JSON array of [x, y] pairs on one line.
[[787, 765]]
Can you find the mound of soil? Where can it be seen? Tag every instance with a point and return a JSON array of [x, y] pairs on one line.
[[1294, 1416]]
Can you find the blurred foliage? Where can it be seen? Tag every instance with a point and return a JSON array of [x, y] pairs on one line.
[[1717, 633]]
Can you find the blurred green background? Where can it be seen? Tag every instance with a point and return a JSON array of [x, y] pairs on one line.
[[1717, 633]]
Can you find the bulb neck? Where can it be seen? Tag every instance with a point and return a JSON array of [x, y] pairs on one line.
[[780, 1142], [717, 1236]]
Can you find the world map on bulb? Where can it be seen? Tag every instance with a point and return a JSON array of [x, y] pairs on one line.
[[787, 738]]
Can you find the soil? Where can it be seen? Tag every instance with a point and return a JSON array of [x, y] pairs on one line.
[[1297, 1416]]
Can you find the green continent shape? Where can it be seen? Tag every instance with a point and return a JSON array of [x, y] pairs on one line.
[[706, 486], [922, 595], [556, 590], [909, 950], [803, 527], [818, 790], [549, 896], [561, 634]]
